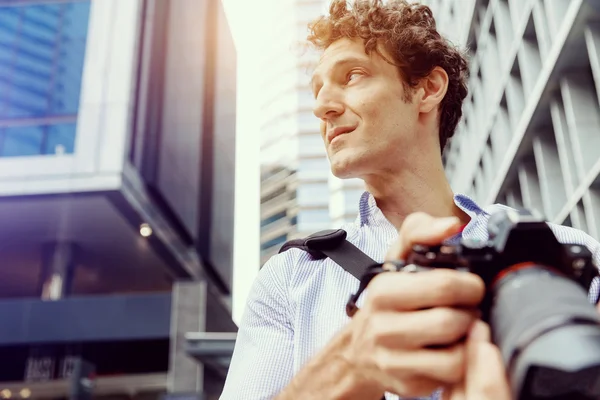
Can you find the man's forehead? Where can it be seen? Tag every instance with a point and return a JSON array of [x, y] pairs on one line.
[[342, 51]]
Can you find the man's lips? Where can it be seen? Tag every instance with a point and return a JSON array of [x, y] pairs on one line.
[[337, 131]]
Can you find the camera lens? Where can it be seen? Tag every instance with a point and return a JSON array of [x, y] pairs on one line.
[[549, 335]]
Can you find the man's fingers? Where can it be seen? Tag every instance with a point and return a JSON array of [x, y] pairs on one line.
[[437, 288], [417, 386], [480, 332], [419, 329], [455, 393], [485, 375], [421, 228], [446, 365]]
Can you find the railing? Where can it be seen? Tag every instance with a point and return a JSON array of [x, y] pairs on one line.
[[111, 385]]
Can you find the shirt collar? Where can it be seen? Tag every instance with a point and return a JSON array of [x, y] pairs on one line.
[[369, 212]]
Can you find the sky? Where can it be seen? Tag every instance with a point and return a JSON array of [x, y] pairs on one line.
[[249, 21]]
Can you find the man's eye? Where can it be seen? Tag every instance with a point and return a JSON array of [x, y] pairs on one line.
[[353, 76]]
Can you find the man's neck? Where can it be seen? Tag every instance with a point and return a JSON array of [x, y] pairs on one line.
[[411, 190]]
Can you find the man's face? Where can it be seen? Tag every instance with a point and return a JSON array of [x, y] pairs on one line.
[[367, 124]]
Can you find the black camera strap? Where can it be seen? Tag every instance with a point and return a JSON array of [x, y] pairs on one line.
[[333, 244], [349, 257]]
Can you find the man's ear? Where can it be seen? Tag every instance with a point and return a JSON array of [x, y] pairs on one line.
[[433, 89]]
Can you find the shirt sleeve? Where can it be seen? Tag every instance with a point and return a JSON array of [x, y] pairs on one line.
[[595, 286], [566, 234], [262, 361]]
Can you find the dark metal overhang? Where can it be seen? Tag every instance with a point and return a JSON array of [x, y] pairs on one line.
[[85, 319], [213, 349]]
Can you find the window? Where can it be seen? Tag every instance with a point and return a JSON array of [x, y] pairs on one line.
[[306, 100], [310, 145], [42, 50], [277, 193], [273, 242], [352, 200], [308, 122], [313, 220], [272, 218], [311, 194], [37, 140], [313, 168]]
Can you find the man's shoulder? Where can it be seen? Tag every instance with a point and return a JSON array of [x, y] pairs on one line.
[[288, 263], [563, 233], [290, 255], [288, 258], [296, 263], [567, 234]]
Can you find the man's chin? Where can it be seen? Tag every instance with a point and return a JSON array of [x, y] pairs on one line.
[[343, 170]]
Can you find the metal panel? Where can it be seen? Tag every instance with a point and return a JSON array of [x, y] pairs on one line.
[[530, 187], [552, 184], [183, 119], [185, 115], [188, 314], [212, 349], [85, 319], [583, 119], [116, 386], [224, 144]]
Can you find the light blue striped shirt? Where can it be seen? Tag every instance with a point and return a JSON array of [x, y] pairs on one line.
[[297, 304]]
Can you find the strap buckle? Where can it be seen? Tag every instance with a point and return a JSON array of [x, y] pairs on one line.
[[370, 273]]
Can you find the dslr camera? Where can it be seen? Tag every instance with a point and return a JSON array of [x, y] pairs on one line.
[[536, 303]]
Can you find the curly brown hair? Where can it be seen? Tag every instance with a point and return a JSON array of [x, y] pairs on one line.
[[408, 33]]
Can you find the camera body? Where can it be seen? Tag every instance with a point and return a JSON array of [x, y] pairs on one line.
[[516, 244], [536, 303]]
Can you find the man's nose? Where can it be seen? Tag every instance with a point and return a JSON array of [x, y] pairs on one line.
[[327, 106]]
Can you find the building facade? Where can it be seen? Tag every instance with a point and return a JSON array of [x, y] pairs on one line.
[[299, 195], [529, 135], [116, 214]]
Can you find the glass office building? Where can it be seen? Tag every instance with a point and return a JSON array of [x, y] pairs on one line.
[[116, 214], [41, 65], [529, 136]]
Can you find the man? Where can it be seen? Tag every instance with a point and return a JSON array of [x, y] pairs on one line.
[[389, 91]]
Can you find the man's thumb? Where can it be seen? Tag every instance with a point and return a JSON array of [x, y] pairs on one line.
[[480, 332], [485, 376]]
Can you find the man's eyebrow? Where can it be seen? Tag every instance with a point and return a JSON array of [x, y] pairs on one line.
[[342, 63]]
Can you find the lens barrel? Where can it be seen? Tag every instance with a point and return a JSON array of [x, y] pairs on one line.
[[549, 335]]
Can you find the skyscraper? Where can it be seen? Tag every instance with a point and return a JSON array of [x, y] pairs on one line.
[[529, 136]]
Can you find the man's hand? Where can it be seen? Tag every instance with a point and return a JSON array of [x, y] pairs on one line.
[[485, 378], [406, 339]]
